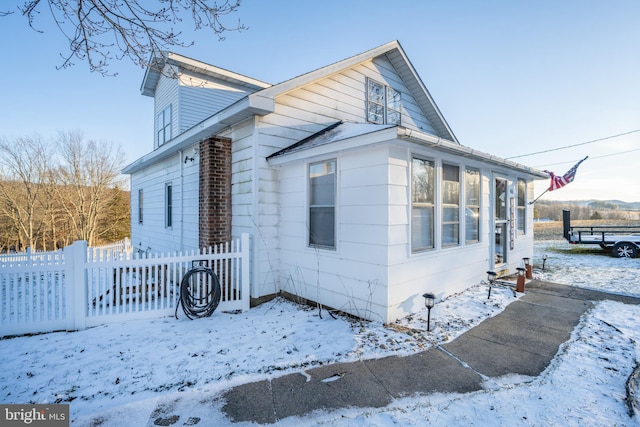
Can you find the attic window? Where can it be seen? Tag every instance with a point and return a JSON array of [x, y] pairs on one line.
[[163, 126], [383, 104]]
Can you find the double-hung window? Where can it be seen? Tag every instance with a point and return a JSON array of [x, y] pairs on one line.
[[422, 204], [450, 205], [472, 205], [383, 104], [168, 205], [322, 204], [163, 126], [522, 205], [140, 194]]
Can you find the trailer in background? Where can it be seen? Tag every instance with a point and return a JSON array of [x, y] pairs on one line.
[[622, 240]]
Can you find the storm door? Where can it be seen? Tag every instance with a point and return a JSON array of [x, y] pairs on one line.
[[501, 222]]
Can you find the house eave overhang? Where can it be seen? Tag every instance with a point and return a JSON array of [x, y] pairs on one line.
[[463, 151], [156, 68], [245, 108], [401, 133]]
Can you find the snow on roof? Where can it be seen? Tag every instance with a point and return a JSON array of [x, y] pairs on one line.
[[338, 131]]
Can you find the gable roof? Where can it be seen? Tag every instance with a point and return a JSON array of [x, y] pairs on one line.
[[153, 73], [396, 55], [262, 101]]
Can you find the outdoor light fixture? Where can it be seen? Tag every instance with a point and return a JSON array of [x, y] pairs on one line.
[[520, 279], [491, 277], [429, 302], [544, 260], [527, 266]]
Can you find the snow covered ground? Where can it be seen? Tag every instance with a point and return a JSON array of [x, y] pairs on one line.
[[115, 375]]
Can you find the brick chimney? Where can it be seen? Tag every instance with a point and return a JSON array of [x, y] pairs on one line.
[[214, 207]]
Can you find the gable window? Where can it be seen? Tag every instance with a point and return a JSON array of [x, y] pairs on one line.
[[450, 205], [472, 205], [163, 126], [322, 204], [383, 104], [140, 206], [522, 205], [422, 204], [168, 205]]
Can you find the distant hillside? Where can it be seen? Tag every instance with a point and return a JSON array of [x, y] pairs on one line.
[[587, 209]]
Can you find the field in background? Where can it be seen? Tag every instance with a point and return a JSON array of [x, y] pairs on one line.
[[552, 230]]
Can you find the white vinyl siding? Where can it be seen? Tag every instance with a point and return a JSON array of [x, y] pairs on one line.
[[152, 234], [201, 98]]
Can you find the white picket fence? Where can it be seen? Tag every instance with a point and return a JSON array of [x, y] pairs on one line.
[[79, 287]]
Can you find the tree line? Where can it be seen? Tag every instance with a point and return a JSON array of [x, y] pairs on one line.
[[55, 191], [593, 210]]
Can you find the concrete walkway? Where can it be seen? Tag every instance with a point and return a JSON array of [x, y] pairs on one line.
[[523, 339]]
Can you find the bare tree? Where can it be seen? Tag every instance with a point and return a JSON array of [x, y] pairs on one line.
[[22, 167], [100, 30], [87, 176]]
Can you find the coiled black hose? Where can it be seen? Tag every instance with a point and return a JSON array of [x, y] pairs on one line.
[[200, 293]]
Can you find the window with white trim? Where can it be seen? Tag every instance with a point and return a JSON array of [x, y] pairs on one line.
[[450, 205], [140, 206], [163, 126], [422, 204], [472, 205], [322, 204], [168, 205], [383, 104], [522, 206]]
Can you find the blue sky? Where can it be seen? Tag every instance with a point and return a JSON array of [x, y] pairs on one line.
[[510, 77]]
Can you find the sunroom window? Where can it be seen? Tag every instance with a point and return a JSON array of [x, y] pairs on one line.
[[450, 205], [522, 205], [472, 205], [422, 204]]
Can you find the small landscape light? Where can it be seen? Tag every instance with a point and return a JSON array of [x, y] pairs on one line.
[[429, 302], [544, 260], [527, 266], [491, 278], [520, 279]]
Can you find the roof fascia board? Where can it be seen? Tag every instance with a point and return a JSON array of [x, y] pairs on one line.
[[424, 90], [217, 72], [153, 73], [441, 144], [310, 77]]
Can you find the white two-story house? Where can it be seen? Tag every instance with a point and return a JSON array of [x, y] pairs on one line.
[[353, 188]]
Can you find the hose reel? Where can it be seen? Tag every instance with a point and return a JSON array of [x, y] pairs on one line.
[[200, 292]]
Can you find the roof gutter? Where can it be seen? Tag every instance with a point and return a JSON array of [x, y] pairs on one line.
[[460, 150]]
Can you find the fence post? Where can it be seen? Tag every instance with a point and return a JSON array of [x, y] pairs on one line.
[[75, 259], [245, 247]]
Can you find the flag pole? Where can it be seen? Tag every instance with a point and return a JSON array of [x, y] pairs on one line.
[[534, 200]]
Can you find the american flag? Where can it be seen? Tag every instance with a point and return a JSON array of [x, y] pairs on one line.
[[561, 181]]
